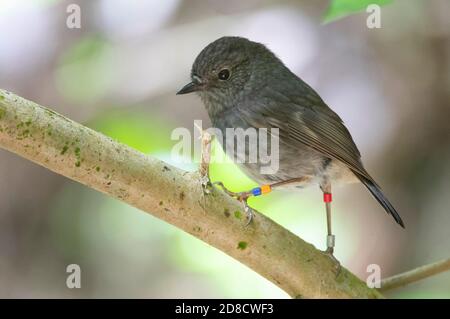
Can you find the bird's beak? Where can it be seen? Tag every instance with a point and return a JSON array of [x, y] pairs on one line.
[[188, 88], [193, 86]]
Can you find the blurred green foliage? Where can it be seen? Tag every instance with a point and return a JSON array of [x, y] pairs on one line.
[[86, 70], [413, 292], [138, 130], [342, 8]]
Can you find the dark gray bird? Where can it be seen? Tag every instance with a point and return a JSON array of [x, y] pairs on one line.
[[244, 85]]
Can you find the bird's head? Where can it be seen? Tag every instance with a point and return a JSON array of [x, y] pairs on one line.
[[225, 70]]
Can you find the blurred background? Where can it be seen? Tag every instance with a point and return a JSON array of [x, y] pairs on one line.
[[118, 74]]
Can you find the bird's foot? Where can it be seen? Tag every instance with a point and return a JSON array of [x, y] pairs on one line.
[[240, 196], [336, 263], [206, 184], [248, 212]]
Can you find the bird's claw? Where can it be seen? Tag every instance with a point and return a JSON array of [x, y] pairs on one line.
[[240, 196], [206, 183], [228, 192], [337, 264], [248, 212]]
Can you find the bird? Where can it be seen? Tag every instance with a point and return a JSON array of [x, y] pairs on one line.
[[243, 84]]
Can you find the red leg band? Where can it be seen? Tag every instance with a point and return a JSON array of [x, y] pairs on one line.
[[327, 198]]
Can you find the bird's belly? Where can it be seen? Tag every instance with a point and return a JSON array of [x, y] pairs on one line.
[[310, 168], [269, 165], [291, 161]]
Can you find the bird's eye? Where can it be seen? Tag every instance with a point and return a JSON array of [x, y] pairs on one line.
[[224, 74]]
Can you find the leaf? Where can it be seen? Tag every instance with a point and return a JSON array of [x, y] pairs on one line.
[[342, 8]]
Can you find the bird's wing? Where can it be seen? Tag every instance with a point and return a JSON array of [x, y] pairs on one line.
[[307, 119]]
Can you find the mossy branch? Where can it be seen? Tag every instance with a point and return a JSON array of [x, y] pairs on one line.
[[173, 195]]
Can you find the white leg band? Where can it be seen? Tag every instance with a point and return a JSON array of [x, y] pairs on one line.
[[330, 241]]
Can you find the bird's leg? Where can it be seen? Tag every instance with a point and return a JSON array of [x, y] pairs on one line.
[[327, 198], [330, 236], [242, 197], [257, 191], [205, 160]]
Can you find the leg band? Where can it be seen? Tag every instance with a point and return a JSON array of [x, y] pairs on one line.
[[261, 190], [330, 241], [327, 198]]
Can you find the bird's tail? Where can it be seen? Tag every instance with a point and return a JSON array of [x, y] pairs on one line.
[[375, 190]]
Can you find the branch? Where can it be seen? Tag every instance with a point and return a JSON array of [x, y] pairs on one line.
[[173, 195], [415, 275]]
